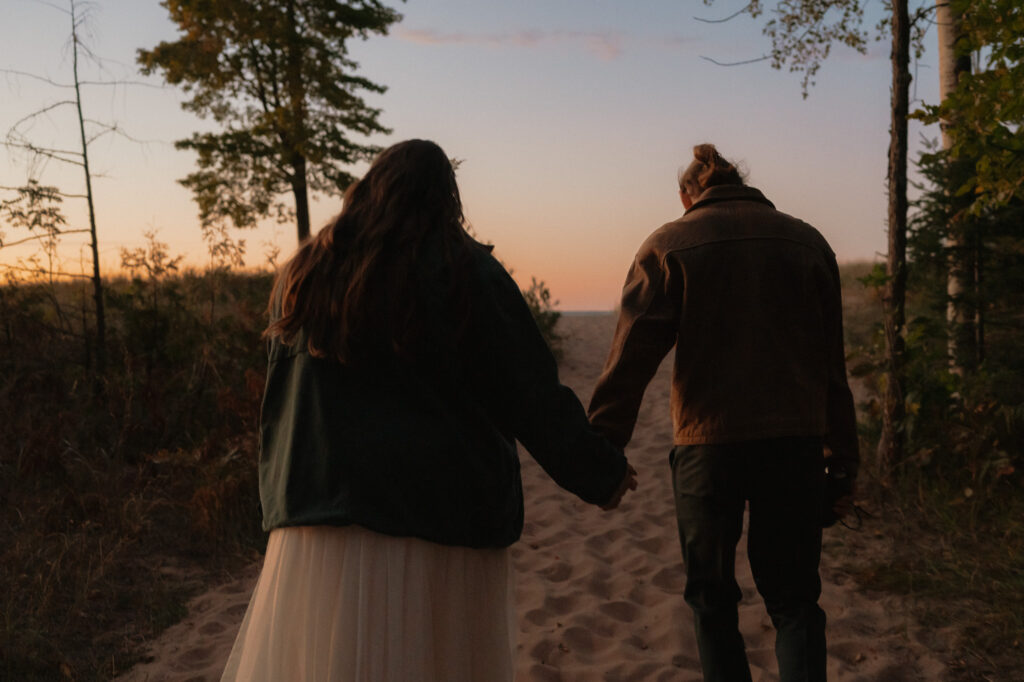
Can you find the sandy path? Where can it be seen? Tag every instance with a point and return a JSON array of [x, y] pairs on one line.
[[600, 593]]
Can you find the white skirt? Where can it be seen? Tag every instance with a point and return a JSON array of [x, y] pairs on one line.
[[345, 604]]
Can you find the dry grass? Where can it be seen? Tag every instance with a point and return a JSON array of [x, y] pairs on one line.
[[122, 497], [958, 558]]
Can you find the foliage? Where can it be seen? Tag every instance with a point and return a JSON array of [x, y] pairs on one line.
[[36, 207], [277, 77], [969, 425], [538, 297], [985, 113], [952, 510], [116, 502], [802, 32]]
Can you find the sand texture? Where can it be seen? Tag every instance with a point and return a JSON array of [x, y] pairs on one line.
[[600, 593]]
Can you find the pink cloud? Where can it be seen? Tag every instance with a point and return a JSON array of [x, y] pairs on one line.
[[606, 45]]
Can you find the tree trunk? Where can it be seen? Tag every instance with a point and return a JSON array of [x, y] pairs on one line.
[[301, 193], [97, 281], [297, 104], [961, 285], [979, 299], [891, 444]]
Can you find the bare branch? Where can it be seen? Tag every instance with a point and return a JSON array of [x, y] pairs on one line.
[[41, 151], [56, 192], [49, 81], [40, 112], [155, 86], [25, 74], [740, 63], [728, 18], [922, 13], [59, 233], [53, 6], [43, 271], [117, 130], [35, 148]]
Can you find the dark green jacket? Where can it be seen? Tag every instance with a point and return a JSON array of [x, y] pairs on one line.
[[428, 450]]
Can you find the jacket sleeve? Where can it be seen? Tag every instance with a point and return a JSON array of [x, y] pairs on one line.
[[841, 437], [540, 412], [646, 331]]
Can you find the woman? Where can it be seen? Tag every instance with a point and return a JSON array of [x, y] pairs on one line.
[[404, 363]]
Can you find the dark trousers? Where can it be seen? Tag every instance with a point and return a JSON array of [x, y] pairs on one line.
[[782, 479]]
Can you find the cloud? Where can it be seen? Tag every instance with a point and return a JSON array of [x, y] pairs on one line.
[[606, 45]]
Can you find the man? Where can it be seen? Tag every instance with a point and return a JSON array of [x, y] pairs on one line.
[[750, 298]]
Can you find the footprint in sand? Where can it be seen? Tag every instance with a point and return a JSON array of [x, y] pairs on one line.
[[584, 643], [544, 673], [622, 611], [652, 544], [536, 616], [560, 606], [670, 579], [212, 628], [557, 572]]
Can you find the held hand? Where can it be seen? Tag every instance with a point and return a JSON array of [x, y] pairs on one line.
[[628, 483]]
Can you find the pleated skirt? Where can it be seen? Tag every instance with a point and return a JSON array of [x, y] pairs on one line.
[[345, 604]]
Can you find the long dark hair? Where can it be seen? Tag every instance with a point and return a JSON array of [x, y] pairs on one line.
[[355, 286]]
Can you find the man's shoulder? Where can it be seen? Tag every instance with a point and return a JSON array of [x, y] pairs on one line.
[[730, 221]]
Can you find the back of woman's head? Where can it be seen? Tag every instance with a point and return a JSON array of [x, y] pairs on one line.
[[356, 289], [707, 169]]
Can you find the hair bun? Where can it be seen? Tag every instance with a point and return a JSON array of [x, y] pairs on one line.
[[707, 169], [706, 154]]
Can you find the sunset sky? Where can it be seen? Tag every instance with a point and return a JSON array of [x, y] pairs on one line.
[[571, 117]]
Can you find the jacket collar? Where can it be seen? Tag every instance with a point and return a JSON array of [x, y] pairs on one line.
[[729, 193]]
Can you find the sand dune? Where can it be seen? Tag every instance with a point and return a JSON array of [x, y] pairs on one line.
[[600, 593]]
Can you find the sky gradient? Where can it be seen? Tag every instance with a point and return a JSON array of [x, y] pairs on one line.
[[572, 118]]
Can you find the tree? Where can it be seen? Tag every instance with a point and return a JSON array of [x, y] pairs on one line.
[[276, 75], [38, 200], [961, 278], [894, 410], [984, 113], [981, 114]]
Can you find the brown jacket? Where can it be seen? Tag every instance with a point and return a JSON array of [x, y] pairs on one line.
[[750, 298]]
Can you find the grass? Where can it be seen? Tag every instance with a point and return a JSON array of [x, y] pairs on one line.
[[122, 497], [954, 549], [959, 564]]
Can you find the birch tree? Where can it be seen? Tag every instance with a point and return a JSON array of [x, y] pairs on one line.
[[961, 280]]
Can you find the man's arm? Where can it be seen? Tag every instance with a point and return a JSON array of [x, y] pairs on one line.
[[646, 330]]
